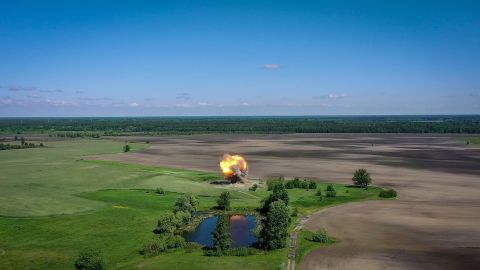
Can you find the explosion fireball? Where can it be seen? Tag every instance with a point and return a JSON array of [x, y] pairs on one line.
[[234, 167]]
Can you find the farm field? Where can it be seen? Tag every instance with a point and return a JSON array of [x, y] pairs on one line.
[[57, 201], [432, 225]]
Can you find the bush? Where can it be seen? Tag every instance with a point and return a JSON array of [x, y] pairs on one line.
[[294, 212], [304, 184], [164, 243], [271, 183], [126, 148], [331, 193], [320, 237], [192, 246], [160, 191], [312, 185], [153, 248], [319, 194], [389, 193], [173, 241], [90, 260], [240, 251], [253, 188]]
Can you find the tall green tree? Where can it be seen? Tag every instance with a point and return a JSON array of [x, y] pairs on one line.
[[361, 178], [223, 202], [186, 203], [221, 235], [167, 223], [279, 193], [274, 232]]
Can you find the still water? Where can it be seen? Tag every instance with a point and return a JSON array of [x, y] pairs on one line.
[[241, 227]]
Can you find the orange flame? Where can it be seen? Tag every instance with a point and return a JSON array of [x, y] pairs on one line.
[[233, 166]]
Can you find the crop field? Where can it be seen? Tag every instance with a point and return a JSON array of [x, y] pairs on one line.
[[55, 201]]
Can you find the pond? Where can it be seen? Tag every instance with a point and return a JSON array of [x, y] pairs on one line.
[[241, 227]]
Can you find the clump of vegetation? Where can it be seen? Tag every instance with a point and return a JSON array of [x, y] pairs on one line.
[[167, 223], [239, 251], [186, 203], [294, 212], [361, 178], [296, 183], [320, 237], [389, 193], [331, 192], [223, 202], [271, 183], [160, 191], [126, 148], [90, 259], [164, 243], [253, 188]]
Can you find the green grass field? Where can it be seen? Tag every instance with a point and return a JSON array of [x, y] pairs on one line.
[[54, 203]]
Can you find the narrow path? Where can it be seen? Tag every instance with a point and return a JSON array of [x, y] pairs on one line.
[[292, 253]]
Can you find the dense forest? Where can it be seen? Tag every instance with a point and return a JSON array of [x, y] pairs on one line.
[[95, 127]]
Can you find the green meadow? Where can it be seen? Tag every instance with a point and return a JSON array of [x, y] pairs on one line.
[[54, 202]]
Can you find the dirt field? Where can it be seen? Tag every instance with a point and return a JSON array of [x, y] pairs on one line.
[[434, 224]]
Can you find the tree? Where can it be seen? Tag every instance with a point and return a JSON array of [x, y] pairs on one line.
[[279, 193], [193, 200], [331, 192], [167, 223], [361, 178], [22, 140], [223, 202], [319, 194], [221, 235], [274, 232], [90, 259], [312, 185], [126, 148], [186, 203]]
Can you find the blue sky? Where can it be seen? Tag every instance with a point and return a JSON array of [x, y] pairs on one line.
[[156, 58]]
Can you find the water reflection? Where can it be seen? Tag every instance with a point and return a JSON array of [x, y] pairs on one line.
[[241, 227]]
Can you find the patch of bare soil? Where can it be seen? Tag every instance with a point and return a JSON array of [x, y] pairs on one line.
[[434, 224]]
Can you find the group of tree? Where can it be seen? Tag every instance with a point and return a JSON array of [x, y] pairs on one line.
[[126, 148], [196, 125], [23, 144], [170, 223], [275, 219], [330, 192], [296, 183]]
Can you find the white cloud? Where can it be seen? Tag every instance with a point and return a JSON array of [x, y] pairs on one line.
[[134, 104], [335, 96], [271, 66]]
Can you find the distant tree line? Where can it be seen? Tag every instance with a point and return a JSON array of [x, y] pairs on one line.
[[95, 127], [23, 144]]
